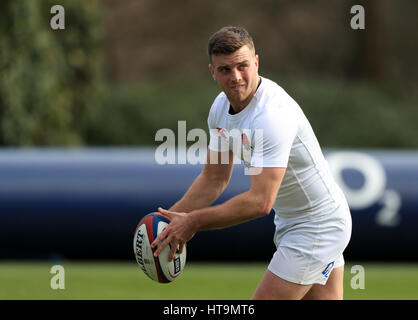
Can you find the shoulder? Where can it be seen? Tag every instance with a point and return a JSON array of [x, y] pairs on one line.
[[275, 104], [219, 102], [277, 115], [219, 107], [273, 94]]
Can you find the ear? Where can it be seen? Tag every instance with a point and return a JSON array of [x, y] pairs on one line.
[[256, 61], [212, 71]]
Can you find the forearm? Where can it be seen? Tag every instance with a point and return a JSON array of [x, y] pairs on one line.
[[241, 208], [202, 193], [255, 203]]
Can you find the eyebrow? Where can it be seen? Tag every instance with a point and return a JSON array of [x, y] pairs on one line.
[[228, 66]]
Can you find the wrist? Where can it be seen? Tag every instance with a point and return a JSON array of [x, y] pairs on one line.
[[194, 221]]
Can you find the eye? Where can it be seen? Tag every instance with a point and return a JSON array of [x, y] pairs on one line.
[[224, 70], [242, 67]]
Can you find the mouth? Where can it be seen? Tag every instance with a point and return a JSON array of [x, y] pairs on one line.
[[238, 87]]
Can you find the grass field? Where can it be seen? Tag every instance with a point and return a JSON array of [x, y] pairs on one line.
[[124, 280]]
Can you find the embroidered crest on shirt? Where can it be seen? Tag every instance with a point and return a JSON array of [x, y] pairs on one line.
[[247, 150], [238, 143], [222, 132]]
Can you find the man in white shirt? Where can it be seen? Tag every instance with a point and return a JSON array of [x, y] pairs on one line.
[[312, 218]]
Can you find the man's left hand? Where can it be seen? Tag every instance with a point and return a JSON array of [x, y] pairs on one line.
[[178, 232]]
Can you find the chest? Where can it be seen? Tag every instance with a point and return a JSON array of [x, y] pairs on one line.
[[240, 137]]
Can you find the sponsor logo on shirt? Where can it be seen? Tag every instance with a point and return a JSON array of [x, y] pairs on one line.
[[328, 269]]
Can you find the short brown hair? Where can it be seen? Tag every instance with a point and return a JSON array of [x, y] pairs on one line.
[[228, 40]]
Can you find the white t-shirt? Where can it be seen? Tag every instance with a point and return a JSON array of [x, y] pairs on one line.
[[272, 131]]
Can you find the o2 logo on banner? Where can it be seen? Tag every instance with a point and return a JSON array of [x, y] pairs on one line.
[[373, 189]]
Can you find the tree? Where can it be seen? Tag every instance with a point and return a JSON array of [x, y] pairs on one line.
[[50, 80]]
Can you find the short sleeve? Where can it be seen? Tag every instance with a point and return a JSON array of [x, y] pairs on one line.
[[273, 138], [218, 137]]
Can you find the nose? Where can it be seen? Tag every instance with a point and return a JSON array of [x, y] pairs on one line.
[[235, 75]]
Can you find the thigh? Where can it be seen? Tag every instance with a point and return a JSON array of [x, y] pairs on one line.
[[272, 287], [332, 290]]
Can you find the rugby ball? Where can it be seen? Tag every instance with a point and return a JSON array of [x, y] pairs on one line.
[[156, 268]]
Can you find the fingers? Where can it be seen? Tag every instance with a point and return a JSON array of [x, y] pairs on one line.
[[163, 234], [157, 240], [161, 247], [165, 212], [162, 241], [181, 248], [173, 247], [173, 250], [165, 238]]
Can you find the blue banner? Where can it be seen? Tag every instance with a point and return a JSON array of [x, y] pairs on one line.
[[86, 203]]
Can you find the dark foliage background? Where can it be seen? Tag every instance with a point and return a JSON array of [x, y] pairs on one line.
[[121, 70]]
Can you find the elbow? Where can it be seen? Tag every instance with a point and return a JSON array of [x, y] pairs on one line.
[[260, 203], [264, 209]]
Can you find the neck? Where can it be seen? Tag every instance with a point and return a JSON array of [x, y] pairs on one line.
[[236, 108]]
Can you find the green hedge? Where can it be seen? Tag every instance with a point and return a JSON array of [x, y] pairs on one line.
[[133, 113], [342, 113], [50, 81], [359, 114], [53, 92]]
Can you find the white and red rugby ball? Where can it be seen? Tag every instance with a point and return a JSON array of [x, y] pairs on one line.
[[157, 268]]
